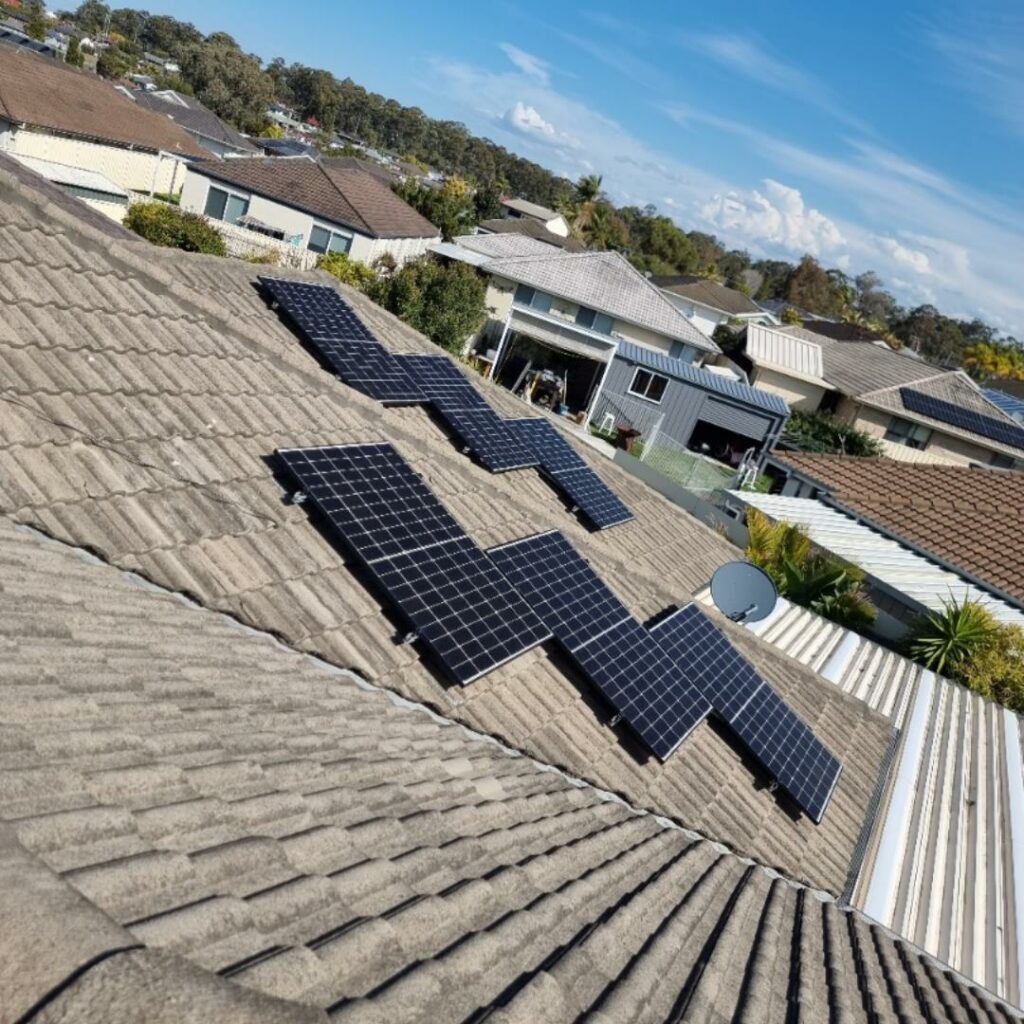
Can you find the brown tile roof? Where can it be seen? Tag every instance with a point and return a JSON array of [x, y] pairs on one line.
[[199, 824], [49, 94], [968, 517], [708, 293], [144, 390], [343, 195]]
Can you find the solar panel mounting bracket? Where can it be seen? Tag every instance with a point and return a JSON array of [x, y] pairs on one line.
[[409, 638], [614, 720], [298, 498]]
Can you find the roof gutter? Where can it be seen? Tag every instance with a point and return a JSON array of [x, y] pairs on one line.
[[944, 563]]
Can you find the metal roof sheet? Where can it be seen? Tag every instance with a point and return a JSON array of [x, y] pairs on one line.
[[704, 378], [898, 567], [64, 174], [796, 356]]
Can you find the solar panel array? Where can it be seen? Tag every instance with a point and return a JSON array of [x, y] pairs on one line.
[[609, 646], [480, 429], [343, 341], [770, 730], [966, 419], [569, 473], [455, 599]]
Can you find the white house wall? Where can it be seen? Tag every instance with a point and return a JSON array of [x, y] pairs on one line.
[[798, 394], [132, 169], [703, 318]]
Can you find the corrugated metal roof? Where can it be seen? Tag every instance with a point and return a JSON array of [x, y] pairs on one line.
[[793, 355], [64, 174], [944, 862], [922, 581], [704, 378]]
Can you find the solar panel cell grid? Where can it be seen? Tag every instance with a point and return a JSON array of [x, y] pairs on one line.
[[966, 419], [442, 382], [318, 310], [371, 369], [553, 451], [595, 499], [484, 432]]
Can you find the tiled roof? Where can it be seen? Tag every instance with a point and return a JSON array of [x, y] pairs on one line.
[[606, 281], [859, 367], [532, 229], [343, 196], [708, 293], [716, 382], [498, 245], [50, 94], [194, 117], [200, 824], [530, 209], [145, 389], [940, 862], [968, 517]]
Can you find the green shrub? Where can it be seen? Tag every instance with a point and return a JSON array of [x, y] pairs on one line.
[[347, 270], [947, 642], [819, 432], [169, 226], [997, 670]]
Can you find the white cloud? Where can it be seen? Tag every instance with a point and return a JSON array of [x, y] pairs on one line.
[[530, 65], [913, 258], [776, 218], [528, 120]]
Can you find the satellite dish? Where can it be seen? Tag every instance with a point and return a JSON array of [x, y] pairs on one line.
[[743, 592]]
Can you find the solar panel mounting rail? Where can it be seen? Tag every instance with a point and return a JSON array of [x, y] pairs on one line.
[[456, 601], [330, 326]]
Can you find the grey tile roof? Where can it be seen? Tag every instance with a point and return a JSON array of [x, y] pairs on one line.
[[955, 791], [716, 382], [530, 209], [859, 367], [708, 293], [144, 391], [197, 119], [200, 824], [532, 229], [606, 281]]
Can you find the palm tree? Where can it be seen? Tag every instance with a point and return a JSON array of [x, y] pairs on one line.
[[588, 189], [946, 642]]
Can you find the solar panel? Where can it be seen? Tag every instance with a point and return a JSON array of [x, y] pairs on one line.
[[570, 474], [455, 599], [442, 382], [316, 309], [346, 345], [486, 435], [966, 419], [773, 733], [611, 648]]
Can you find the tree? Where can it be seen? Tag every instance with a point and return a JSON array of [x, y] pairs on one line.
[[91, 17], [810, 287], [167, 225], [114, 63], [827, 585], [876, 304], [35, 19], [926, 331], [604, 229], [986, 359], [315, 94], [229, 82], [444, 301], [451, 207], [347, 270], [74, 56]]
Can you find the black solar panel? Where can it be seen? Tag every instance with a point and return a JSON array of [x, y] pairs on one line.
[[610, 647], [441, 382], [570, 474], [456, 601], [317, 310], [966, 419], [371, 369], [773, 733], [485, 434]]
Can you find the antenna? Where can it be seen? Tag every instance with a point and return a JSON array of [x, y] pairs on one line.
[[743, 592]]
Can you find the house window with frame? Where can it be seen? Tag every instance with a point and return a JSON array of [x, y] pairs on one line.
[[323, 239], [527, 296], [650, 386], [594, 321], [226, 206], [910, 435]]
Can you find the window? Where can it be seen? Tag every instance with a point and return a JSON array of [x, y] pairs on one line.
[[648, 385], [226, 206], [910, 435], [1001, 461], [326, 240], [594, 321], [527, 296]]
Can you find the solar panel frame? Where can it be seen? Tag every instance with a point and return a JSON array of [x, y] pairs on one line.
[[317, 310], [773, 733], [967, 419], [455, 599], [612, 650]]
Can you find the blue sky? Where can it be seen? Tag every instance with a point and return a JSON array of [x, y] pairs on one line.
[[884, 136]]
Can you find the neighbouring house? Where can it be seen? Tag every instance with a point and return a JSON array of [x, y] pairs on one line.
[[516, 209], [919, 412], [840, 330], [1008, 395], [923, 534], [287, 147], [55, 112], [532, 229], [708, 304], [256, 805], [94, 189], [165, 64], [309, 204], [210, 131], [12, 36]]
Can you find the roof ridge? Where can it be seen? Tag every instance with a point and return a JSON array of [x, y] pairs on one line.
[[334, 185]]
